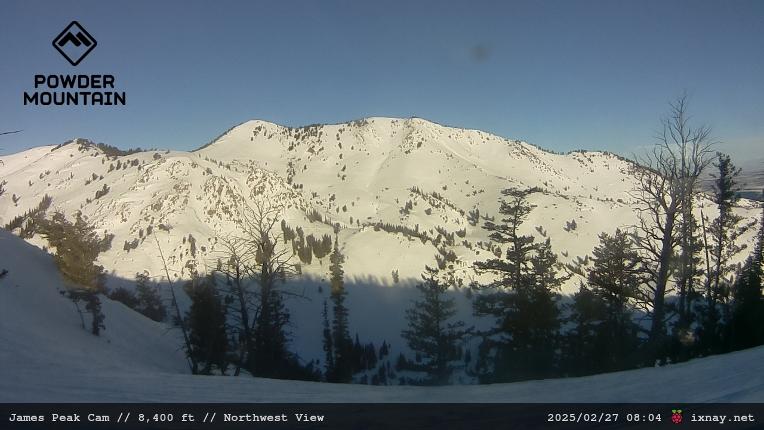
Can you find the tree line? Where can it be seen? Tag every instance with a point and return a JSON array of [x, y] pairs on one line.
[[663, 290], [239, 321]]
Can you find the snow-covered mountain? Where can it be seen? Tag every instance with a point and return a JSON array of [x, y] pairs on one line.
[[394, 192], [351, 177]]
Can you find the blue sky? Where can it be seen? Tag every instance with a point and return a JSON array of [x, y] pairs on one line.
[[560, 74]]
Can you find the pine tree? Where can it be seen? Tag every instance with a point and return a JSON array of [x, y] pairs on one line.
[[587, 338], [207, 325], [384, 350], [149, 302], [430, 332], [544, 268], [270, 357], [515, 264], [539, 314], [328, 345], [522, 299], [747, 321], [341, 341], [688, 273], [125, 296], [721, 246], [357, 354], [93, 306], [77, 247], [370, 356], [604, 337], [512, 270]]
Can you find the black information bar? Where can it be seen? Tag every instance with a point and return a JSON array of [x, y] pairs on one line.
[[186, 416]]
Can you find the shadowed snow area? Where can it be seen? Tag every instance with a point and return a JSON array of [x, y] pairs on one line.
[[46, 356]]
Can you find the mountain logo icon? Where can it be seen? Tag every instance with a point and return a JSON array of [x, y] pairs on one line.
[[74, 43]]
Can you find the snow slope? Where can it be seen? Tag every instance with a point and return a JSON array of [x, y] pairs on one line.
[[403, 172], [41, 332], [46, 356], [407, 173], [735, 377]]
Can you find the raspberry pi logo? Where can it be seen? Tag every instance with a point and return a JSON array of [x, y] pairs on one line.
[[676, 416]]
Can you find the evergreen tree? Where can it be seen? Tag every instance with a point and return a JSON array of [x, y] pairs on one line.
[[586, 339], [357, 354], [544, 268], [747, 321], [125, 296], [93, 306], [514, 265], [721, 237], [429, 332], [77, 247], [149, 302], [604, 337], [341, 341], [207, 325], [328, 345], [522, 298], [688, 273], [384, 350], [369, 356], [512, 270], [270, 357]]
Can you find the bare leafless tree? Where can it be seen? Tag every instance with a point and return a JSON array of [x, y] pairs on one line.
[[233, 266], [667, 184], [254, 265], [273, 263], [193, 365]]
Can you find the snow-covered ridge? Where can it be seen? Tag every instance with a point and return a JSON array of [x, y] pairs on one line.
[[407, 174], [395, 193]]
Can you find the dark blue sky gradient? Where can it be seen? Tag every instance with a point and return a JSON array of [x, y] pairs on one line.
[[560, 74]]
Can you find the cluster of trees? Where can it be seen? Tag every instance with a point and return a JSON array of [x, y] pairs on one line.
[[662, 290], [145, 299], [610, 319], [28, 221], [345, 357], [522, 299], [432, 332], [239, 319], [238, 316], [77, 246], [113, 151], [405, 230], [305, 247]]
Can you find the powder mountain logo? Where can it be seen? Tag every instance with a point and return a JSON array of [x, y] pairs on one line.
[[74, 43]]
